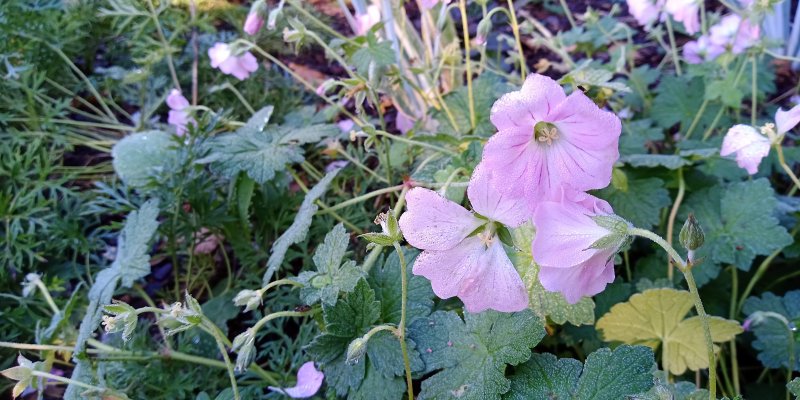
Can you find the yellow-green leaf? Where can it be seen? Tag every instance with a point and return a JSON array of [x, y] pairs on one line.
[[656, 317]]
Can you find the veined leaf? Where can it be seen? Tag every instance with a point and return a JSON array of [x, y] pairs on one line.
[[332, 276], [773, 338], [656, 317]]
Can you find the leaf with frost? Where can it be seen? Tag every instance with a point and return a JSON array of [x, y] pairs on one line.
[[332, 275]]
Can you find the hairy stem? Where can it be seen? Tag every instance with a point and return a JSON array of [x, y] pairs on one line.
[[401, 329], [462, 5], [675, 59], [673, 213], [523, 70]]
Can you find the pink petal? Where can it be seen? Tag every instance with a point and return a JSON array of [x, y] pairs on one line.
[[644, 11], [218, 54], [685, 11], [586, 279], [403, 123], [434, 223], [522, 109], [366, 21], [448, 269], [787, 120], [249, 62], [490, 202], [309, 380], [176, 100], [178, 119], [564, 235], [253, 23], [493, 283], [749, 145]]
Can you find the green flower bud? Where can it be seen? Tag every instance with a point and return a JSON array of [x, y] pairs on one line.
[[244, 346], [691, 235], [356, 351]]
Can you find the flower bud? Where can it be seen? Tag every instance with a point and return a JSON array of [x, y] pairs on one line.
[[251, 299], [123, 319], [691, 235], [255, 18], [244, 346], [356, 351]]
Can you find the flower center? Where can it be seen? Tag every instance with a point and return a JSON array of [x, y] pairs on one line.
[[545, 132]]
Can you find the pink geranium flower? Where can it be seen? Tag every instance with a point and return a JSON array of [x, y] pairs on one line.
[[367, 20], [686, 12], [748, 144], [255, 18], [178, 116], [700, 50], [238, 66], [547, 139], [309, 380], [428, 4], [734, 33], [458, 262], [645, 11], [787, 120], [565, 245]]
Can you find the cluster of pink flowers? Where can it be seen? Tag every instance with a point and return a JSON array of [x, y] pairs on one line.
[[549, 149], [647, 12], [732, 33]]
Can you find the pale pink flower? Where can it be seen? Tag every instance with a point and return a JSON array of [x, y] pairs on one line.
[[645, 11], [734, 33], [787, 120], [403, 123], [547, 139], [238, 66], [346, 125], [474, 267], [178, 116], [701, 50], [749, 145], [309, 380], [563, 245], [366, 21], [686, 12]]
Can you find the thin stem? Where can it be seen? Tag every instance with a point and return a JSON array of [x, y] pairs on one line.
[[66, 380], [280, 282], [462, 5], [754, 94], [786, 168], [218, 337], [46, 294], [760, 271], [281, 314], [696, 119], [325, 208], [415, 143], [732, 315], [317, 22], [568, 13], [195, 49], [673, 213], [164, 43], [515, 28], [239, 96], [698, 305], [360, 199], [675, 59], [401, 329], [661, 242]]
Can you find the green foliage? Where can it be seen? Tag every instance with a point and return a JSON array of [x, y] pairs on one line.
[[794, 387], [140, 157], [738, 226], [672, 106], [656, 317], [381, 370], [640, 201], [486, 90], [333, 275], [777, 343], [607, 375], [469, 356]]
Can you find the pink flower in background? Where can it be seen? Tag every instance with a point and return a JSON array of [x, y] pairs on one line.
[[403, 123], [749, 145], [734, 33], [686, 12], [475, 268], [701, 50], [346, 125], [178, 116], [229, 64], [787, 120], [366, 21], [309, 380], [563, 245], [645, 11], [547, 139], [253, 23], [428, 4]]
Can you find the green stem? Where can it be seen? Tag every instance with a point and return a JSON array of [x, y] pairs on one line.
[[675, 59], [732, 315], [415, 143], [523, 70], [786, 168], [696, 119], [360, 199], [46, 294], [165, 44], [67, 380], [760, 271], [754, 94], [317, 22], [698, 303], [281, 314], [673, 213], [401, 329], [462, 5], [218, 337], [568, 13]]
